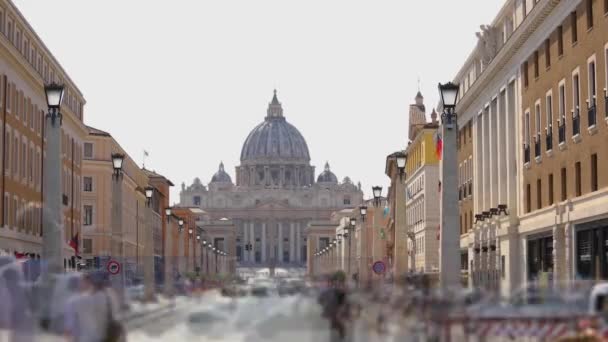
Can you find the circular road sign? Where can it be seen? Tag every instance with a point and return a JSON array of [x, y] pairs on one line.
[[113, 267], [379, 267]]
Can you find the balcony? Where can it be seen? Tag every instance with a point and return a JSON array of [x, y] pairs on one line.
[[549, 138], [460, 193], [592, 116], [526, 154], [561, 132], [537, 146], [470, 188]]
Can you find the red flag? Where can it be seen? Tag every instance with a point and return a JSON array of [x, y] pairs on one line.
[[438, 145], [74, 243], [19, 255]]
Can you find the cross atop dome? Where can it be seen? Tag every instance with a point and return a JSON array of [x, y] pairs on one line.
[[275, 110]]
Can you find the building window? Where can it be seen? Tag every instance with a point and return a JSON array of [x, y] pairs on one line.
[[88, 184], [564, 184], [594, 172], [524, 70], [573, 28], [87, 246], [560, 40], [592, 83], [88, 215], [589, 14], [528, 199], [197, 200], [536, 71], [88, 150], [550, 187], [346, 200], [539, 194], [547, 53], [577, 178]]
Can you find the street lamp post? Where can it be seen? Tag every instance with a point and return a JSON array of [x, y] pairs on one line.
[[169, 257], [180, 228], [353, 223], [52, 218], [191, 238], [149, 247], [198, 241], [377, 192], [215, 250], [401, 161], [206, 246], [117, 251], [449, 262]]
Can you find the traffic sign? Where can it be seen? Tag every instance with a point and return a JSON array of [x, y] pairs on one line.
[[379, 267], [113, 267]]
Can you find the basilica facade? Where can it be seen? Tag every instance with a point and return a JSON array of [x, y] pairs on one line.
[[275, 197]]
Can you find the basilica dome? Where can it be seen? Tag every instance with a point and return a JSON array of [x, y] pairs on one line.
[[221, 176], [327, 176], [275, 138]]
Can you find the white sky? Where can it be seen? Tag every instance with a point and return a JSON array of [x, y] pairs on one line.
[[188, 80]]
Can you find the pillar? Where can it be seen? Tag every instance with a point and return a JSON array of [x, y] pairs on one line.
[[568, 252], [298, 243], [252, 238], [280, 242], [449, 265], [263, 241], [291, 242], [245, 240], [558, 255]]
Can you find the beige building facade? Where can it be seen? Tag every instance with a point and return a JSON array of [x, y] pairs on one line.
[[533, 96], [97, 202], [26, 65], [564, 217]]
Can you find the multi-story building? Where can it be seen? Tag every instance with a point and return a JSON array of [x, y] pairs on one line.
[[421, 191], [489, 107], [564, 217], [98, 234], [25, 66], [536, 183]]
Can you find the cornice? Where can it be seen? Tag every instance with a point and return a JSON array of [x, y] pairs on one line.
[[510, 55]]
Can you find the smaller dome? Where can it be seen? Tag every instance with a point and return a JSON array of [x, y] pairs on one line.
[[221, 176], [327, 176]]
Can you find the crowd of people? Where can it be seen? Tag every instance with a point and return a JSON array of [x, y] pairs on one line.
[[80, 307]]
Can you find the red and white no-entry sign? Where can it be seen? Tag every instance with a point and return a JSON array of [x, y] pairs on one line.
[[113, 267]]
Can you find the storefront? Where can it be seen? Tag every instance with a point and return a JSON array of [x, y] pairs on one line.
[[592, 250], [540, 256]]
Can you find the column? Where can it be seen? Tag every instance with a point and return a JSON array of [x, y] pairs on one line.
[[502, 145], [512, 144], [558, 255], [282, 176], [449, 265], [280, 242], [568, 252], [292, 234], [494, 156], [252, 238], [263, 242], [298, 243], [245, 241], [487, 194]]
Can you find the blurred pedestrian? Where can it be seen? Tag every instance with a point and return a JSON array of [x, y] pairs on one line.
[[15, 314], [336, 308], [93, 315], [66, 287]]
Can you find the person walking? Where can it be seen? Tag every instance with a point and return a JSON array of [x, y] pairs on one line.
[[15, 314], [336, 308], [91, 316]]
